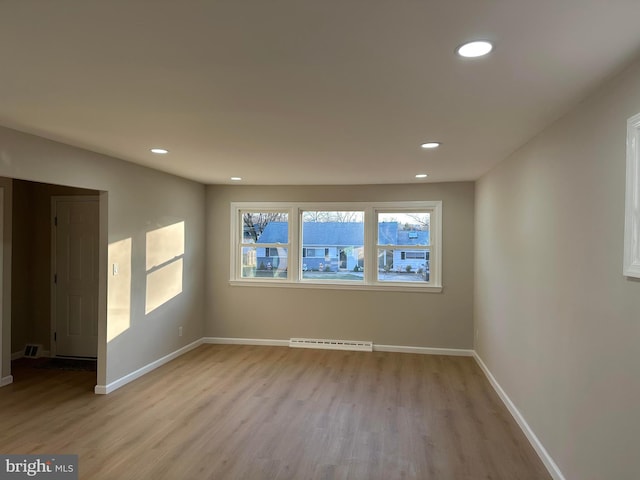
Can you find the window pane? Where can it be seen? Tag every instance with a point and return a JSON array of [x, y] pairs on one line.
[[396, 265], [265, 227], [333, 245], [404, 228], [264, 262]]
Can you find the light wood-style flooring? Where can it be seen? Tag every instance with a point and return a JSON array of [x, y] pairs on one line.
[[248, 412]]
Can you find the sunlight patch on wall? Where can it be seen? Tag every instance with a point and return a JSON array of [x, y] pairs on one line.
[[164, 244], [164, 264], [163, 285], [119, 288]]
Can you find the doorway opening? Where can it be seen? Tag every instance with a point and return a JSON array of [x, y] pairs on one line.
[[54, 275]]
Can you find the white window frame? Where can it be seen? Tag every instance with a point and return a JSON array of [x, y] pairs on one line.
[[631, 262], [435, 260], [238, 243], [327, 207], [294, 262]]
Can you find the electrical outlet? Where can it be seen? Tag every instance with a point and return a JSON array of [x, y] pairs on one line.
[[179, 331]]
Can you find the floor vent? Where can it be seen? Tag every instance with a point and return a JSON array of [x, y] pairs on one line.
[[32, 350], [331, 344]]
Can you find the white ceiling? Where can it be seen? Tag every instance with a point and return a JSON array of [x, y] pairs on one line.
[[305, 91]]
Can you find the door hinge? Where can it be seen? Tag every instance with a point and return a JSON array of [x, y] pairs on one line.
[[55, 221], [55, 336], [55, 278]]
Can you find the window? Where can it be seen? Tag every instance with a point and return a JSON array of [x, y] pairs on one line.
[[264, 244], [380, 246], [414, 255], [334, 245], [404, 240]]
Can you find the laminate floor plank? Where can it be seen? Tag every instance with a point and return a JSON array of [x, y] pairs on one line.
[[248, 412]]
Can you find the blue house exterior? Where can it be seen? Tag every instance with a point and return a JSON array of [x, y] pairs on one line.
[[327, 246], [399, 260], [272, 258], [332, 246], [338, 246]]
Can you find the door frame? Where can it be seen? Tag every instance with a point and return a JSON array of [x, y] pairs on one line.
[[54, 200], [3, 381]]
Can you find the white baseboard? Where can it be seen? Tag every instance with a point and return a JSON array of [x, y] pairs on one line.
[[105, 389], [549, 463], [551, 466], [20, 354], [246, 341], [4, 381], [376, 348], [458, 352]]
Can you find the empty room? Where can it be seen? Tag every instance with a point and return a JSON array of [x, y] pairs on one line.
[[320, 240]]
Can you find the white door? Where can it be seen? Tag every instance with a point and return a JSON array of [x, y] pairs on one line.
[[75, 276]]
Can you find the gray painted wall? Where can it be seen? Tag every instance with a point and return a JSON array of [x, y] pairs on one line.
[[139, 200], [556, 321], [558, 324], [393, 318]]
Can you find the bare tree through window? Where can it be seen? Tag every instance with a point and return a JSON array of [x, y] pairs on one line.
[[255, 223]]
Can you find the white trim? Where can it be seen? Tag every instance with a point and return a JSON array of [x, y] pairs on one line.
[[8, 379], [245, 341], [631, 265], [370, 282], [551, 466], [376, 348], [399, 287], [105, 389], [435, 235], [548, 461], [4, 381], [457, 352], [20, 354]]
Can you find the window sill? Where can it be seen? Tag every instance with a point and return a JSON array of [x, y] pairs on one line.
[[336, 286]]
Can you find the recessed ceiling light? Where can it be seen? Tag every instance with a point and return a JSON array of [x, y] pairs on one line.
[[422, 175], [430, 145], [236, 179], [160, 151], [474, 49]]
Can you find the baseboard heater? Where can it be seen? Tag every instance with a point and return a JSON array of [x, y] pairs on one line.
[[325, 344]]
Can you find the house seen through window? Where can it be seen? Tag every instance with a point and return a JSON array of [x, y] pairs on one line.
[[403, 246], [334, 243], [373, 245], [265, 244]]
